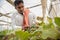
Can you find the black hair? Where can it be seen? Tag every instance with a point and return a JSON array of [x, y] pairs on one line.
[[17, 2]]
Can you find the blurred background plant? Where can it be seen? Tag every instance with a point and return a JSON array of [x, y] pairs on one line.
[[43, 31]]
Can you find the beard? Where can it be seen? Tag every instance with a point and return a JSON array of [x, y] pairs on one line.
[[21, 13]]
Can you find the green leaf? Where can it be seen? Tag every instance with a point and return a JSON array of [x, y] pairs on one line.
[[33, 38], [3, 32], [48, 26], [49, 20], [36, 33], [22, 35], [57, 20], [44, 35], [50, 33]]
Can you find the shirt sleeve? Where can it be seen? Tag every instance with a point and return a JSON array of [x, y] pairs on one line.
[[13, 20]]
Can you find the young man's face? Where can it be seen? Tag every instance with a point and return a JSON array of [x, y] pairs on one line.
[[20, 8]]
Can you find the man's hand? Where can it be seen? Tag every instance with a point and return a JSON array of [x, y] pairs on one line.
[[26, 28]]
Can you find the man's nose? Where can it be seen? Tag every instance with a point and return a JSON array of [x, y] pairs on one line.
[[21, 9]]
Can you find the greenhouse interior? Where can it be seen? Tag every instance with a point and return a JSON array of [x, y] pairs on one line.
[[42, 24]]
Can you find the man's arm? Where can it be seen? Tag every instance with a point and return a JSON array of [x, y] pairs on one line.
[[13, 24], [13, 20]]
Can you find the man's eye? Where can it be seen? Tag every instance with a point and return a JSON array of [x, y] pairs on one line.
[[19, 7]]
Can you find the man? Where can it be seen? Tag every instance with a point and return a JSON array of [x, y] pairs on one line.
[[22, 17]]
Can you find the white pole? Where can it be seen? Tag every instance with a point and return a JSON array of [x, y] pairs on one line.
[[44, 5]]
